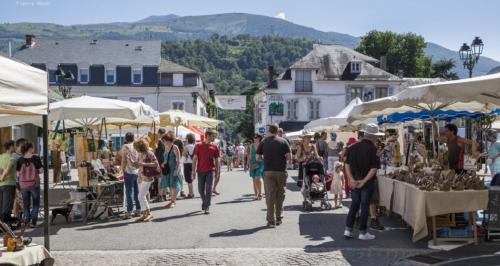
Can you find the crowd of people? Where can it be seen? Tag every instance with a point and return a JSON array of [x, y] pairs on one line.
[[159, 174]]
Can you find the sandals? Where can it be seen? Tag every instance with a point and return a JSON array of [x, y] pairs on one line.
[[215, 192], [171, 205]]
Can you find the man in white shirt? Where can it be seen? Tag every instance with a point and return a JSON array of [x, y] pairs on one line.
[[241, 154]]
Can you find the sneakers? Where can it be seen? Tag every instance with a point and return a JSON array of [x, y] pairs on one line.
[[366, 236], [375, 225], [207, 211], [347, 234], [183, 194], [271, 224], [279, 222]]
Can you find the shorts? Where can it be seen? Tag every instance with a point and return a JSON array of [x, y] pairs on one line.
[[188, 172], [376, 195]]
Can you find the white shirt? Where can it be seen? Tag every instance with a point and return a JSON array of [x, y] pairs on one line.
[[241, 149], [190, 149], [128, 149]]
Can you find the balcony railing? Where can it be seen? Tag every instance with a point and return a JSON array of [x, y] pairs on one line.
[[303, 86]]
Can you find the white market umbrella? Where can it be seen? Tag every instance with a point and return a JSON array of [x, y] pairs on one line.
[[23, 88], [338, 121], [178, 117], [88, 107], [479, 94], [294, 135]]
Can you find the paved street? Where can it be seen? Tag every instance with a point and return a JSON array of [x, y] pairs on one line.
[[233, 234]]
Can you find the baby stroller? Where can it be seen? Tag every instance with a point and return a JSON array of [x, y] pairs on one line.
[[312, 168]]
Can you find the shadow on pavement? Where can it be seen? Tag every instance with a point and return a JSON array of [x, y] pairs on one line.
[[105, 225], [189, 214], [238, 232], [292, 186], [238, 200]]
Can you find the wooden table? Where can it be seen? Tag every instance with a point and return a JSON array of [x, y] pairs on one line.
[[415, 205]]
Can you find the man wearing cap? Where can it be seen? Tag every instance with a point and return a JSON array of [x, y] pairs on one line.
[[361, 166]]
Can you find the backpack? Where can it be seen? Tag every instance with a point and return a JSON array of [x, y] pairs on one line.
[[28, 176]]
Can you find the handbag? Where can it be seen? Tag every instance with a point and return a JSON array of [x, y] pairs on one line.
[[151, 171], [254, 166]]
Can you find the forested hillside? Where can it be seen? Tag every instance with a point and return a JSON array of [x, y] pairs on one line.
[[235, 65]]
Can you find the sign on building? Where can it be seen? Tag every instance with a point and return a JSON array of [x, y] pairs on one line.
[[276, 105], [231, 102]]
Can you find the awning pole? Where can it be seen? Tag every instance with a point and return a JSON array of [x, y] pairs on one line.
[[46, 238]]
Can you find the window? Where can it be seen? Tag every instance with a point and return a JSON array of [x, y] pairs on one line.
[[110, 76], [356, 92], [355, 66], [136, 99], [84, 75], [178, 105], [292, 109], [314, 108], [52, 76], [303, 82], [137, 76], [190, 80], [381, 92], [167, 79], [368, 95]]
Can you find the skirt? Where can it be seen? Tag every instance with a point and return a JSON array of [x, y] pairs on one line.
[[169, 181]]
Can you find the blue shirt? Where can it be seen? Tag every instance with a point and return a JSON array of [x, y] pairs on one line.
[[492, 153]]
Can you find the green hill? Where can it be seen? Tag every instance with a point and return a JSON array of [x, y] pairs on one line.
[[173, 27]]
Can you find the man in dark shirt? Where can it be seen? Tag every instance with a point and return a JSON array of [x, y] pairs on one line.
[[361, 167], [276, 152], [159, 151]]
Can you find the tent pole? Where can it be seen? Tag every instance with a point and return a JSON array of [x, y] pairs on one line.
[[46, 238]]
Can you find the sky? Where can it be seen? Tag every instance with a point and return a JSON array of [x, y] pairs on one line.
[[446, 22]]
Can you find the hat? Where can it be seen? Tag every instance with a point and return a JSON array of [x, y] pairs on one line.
[[372, 129], [351, 141]]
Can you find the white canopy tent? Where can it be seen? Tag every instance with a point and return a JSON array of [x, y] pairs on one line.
[[24, 91], [294, 135], [339, 121], [175, 117], [95, 107], [479, 94]]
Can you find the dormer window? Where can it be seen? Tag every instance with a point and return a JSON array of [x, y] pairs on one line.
[[110, 76], [355, 67]]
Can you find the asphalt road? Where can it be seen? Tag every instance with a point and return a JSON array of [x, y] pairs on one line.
[[236, 222]]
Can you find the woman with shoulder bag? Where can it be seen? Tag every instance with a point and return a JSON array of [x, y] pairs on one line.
[[256, 168], [148, 170]]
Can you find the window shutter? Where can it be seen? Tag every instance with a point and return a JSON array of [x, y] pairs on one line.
[[317, 109], [295, 103], [288, 110], [311, 109], [347, 95]]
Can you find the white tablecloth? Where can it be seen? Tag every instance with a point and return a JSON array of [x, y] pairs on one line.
[[32, 254], [415, 205]]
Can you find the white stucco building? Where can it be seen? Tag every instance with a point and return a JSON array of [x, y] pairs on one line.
[[320, 85]]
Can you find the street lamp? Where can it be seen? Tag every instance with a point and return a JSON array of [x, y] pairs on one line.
[[470, 54], [62, 78]]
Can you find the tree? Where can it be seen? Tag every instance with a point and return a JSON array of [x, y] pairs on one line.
[[403, 51], [442, 69]]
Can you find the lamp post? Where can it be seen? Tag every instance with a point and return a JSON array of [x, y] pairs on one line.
[[62, 78], [470, 54]]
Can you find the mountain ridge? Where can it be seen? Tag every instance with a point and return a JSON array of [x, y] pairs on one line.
[[174, 27]]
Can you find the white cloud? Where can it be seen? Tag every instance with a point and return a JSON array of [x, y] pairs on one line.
[[281, 15]]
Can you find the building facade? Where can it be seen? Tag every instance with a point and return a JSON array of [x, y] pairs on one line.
[[119, 69], [320, 85]]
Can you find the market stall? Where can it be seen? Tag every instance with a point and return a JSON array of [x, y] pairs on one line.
[[24, 91], [425, 193], [179, 117]]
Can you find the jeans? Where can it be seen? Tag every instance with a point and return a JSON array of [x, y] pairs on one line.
[[274, 183], [143, 194], [132, 191], [28, 195], [205, 183], [361, 198], [7, 197]]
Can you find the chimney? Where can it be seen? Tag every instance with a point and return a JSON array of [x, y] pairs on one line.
[[270, 75], [30, 39], [383, 62]]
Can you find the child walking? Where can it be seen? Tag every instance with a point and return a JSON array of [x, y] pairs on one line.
[[337, 184]]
